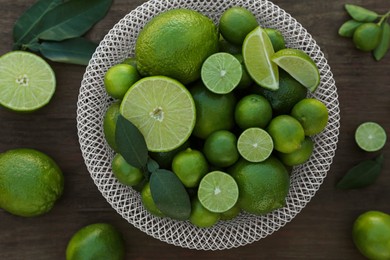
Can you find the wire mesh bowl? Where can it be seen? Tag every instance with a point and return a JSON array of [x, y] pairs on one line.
[[93, 101]]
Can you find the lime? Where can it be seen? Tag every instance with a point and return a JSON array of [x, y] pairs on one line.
[[220, 148], [367, 36], [287, 133], [202, 217], [30, 182], [370, 136], [130, 61], [162, 109], [148, 202], [96, 241], [253, 111], [109, 124], [190, 166], [164, 159], [221, 72], [263, 186], [255, 144], [218, 191], [299, 65], [298, 156], [276, 38], [27, 82], [124, 172], [231, 213], [312, 114], [257, 51], [246, 80], [195, 38], [119, 78], [235, 23]]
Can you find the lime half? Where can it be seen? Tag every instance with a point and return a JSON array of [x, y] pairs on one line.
[[370, 136], [27, 82], [257, 50], [300, 66], [255, 144], [218, 191], [162, 109], [221, 72]]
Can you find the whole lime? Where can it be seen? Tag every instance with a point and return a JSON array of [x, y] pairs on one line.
[[367, 36], [30, 182], [220, 148], [175, 43], [96, 241], [200, 216], [124, 172], [253, 111], [109, 124]]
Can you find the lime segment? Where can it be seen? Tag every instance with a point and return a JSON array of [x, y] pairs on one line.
[[299, 65], [257, 50], [370, 136], [221, 72], [255, 144], [162, 109], [218, 191], [27, 82]]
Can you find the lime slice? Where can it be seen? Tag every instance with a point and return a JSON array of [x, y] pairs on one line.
[[257, 51], [162, 109], [221, 72], [370, 136], [27, 82], [218, 191], [255, 144], [300, 66]]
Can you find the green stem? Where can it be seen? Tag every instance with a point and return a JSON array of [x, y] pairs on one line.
[[384, 18]]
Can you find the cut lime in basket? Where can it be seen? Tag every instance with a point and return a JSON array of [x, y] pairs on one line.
[[255, 144], [27, 82], [370, 136], [162, 109]]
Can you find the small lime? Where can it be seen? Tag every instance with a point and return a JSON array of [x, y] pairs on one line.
[[119, 78], [298, 156], [253, 111], [367, 36], [200, 216], [231, 213], [124, 172], [220, 148], [370, 136], [276, 38], [109, 124], [255, 144], [148, 202]]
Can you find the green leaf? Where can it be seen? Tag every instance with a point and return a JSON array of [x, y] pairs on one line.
[[361, 14], [74, 51], [348, 28], [170, 195], [30, 18], [362, 175], [131, 143], [152, 165], [384, 44]]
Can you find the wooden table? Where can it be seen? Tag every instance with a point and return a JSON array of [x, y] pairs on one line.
[[321, 231]]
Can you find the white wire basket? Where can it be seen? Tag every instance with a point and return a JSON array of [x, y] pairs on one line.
[[93, 101]]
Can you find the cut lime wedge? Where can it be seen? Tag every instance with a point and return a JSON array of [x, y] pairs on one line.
[[255, 144], [27, 82], [162, 109], [300, 66], [370, 136], [221, 72], [257, 51], [218, 191]]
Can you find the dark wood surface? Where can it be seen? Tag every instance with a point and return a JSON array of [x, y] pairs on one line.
[[321, 231]]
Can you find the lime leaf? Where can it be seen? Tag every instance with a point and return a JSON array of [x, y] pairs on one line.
[[170, 195], [384, 44], [131, 143], [361, 14], [152, 165], [348, 28], [362, 175]]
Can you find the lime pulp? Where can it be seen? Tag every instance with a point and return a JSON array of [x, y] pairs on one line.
[[370, 136], [255, 144]]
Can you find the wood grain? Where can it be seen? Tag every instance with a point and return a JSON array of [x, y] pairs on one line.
[[321, 231]]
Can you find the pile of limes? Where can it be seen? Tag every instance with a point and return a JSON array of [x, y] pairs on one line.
[[224, 108]]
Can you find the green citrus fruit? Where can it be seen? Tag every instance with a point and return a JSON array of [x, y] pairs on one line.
[[231, 213], [200, 216], [190, 166], [253, 111], [263, 186], [109, 124], [367, 36], [119, 78], [30, 182], [370, 136], [162, 109], [246, 80], [235, 23], [276, 38], [130, 61], [96, 241], [124, 172], [27, 82], [298, 156], [175, 43], [371, 235], [148, 202], [255, 144], [164, 159], [220, 148]]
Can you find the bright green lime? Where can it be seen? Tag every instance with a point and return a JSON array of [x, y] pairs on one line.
[[202, 217], [255, 144], [221, 72], [367, 36], [220, 148], [370, 136], [124, 172], [253, 111], [119, 78], [162, 109], [109, 124], [276, 38], [148, 202], [27, 82], [298, 156], [218, 191]]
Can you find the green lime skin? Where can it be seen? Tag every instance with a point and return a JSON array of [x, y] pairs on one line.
[[276, 38], [200, 216], [164, 159], [109, 124], [253, 111], [124, 172], [220, 148], [30, 182], [367, 36], [371, 234], [119, 78], [96, 241], [299, 156], [148, 202], [246, 80]]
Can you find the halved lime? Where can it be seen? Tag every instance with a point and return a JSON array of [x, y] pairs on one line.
[[162, 109], [370, 136], [255, 144], [299, 65], [257, 50], [218, 191], [27, 82], [221, 72]]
